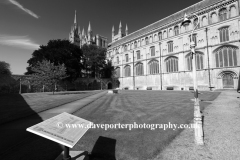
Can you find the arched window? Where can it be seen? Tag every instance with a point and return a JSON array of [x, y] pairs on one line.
[[233, 11], [142, 43], [164, 34], [170, 32], [146, 41], [152, 51], [127, 71], [126, 57], [226, 56], [170, 46], [117, 72], [176, 30], [153, 67], [139, 43], [223, 14], [160, 36], [138, 55], [204, 21], [139, 69], [150, 39], [135, 44], [195, 23], [214, 17], [198, 61], [125, 48], [224, 34], [171, 64], [155, 38], [117, 60]]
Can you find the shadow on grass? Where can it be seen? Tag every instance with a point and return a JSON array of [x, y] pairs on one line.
[[16, 142], [104, 149]]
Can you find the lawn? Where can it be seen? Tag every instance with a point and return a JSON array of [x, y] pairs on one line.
[[150, 107], [14, 106]]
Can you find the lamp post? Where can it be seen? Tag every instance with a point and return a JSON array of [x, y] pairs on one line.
[[20, 84], [198, 128]]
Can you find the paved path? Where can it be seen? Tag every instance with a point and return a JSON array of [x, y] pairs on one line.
[[221, 133], [17, 142]]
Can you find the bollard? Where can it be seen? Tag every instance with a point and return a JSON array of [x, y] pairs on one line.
[[198, 128]]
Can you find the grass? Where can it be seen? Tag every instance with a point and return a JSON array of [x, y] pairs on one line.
[[14, 106], [221, 133], [127, 107]]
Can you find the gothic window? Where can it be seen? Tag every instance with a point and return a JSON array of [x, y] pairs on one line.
[[170, 32], [214, 17], [195, 23], [150, 39], [127, 71], [138, 55], [170, 46], [224, 34], [204, 21], [160, 36], [164, 34], [226, 56], [155, 38], [152, 51], [135, 44], [146, 41], [153, 67], [171, 64], [139, 69], [117, 60], [117, 72], [233, 11], [223, 14], [198, 61], [125, 48], [176, 30], [126, 57]]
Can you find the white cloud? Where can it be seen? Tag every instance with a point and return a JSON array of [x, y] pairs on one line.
[[18, 41], [22, 8]]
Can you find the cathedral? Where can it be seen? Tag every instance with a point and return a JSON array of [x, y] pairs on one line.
[[79, 38], [158, 56]]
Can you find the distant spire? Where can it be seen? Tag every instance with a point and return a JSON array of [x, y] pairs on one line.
[[83, 33], [79, 30], [120, 25], [89, 27], [113, 28], [126, 30], [75, 18]]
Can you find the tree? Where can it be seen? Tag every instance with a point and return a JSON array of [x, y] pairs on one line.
[[94, 59], [46, 73], [4, 69], [59, 52]]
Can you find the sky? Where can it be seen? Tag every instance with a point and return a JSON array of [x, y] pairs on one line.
[[27, 24]]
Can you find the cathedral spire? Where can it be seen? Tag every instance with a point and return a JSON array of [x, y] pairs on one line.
[[75, 18], [126, 30], [83, 33], [89, 27], [120, 29]]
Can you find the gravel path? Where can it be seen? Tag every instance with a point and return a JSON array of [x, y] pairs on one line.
[[221, 133]]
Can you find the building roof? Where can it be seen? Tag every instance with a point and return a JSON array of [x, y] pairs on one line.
[[176, 16]]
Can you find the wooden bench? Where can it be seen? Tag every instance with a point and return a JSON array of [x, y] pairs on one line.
[[149, 88], [170, 88]]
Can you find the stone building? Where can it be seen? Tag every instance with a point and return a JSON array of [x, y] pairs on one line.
[[158, 55], [80, 38]]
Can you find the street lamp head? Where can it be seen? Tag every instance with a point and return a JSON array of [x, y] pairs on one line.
[[185, 20]]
